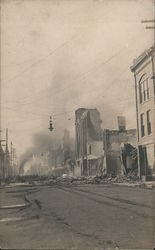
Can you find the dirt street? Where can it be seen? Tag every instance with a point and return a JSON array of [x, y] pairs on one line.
[[61, 216]]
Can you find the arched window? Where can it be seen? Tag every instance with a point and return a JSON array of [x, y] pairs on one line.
[[144, 88]]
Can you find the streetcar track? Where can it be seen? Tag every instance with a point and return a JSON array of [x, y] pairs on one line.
[[78, 192], [98, 240], [116, 199]]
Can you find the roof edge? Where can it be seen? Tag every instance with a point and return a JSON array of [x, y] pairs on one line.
[[139, 60]]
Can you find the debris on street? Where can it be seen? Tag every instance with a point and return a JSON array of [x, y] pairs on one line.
[[97, 179]]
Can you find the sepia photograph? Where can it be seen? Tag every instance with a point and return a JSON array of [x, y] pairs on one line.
[[77, 124]]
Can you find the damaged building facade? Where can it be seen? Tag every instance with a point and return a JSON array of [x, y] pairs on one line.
[[144, 74], [120, 147], [89, 142]]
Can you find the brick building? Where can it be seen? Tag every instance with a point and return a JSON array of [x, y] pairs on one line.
[[143, 69], [89, 142]]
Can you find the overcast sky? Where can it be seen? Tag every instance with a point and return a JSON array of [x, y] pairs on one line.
[[58, 56]]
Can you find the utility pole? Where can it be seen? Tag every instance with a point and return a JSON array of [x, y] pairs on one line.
[[151, 21], [2, 157], [13, 156], [6, 155], [14, 161], [7, 138], [11, 159], [88, 168]]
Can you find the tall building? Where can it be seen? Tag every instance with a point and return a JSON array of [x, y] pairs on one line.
[[144, 73], [89, 142]]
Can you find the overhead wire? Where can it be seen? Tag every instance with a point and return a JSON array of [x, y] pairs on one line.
[[37, 62], [60, 114], [65, 42], [44, 114], [110, 86], [83, 76]]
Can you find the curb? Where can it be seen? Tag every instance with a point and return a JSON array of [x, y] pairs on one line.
[[21, 205], [141, 185]]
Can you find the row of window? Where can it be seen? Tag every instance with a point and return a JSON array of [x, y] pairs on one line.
[[144, 94], [148, 123]]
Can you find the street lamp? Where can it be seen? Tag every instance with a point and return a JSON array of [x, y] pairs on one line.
[[51, 125]]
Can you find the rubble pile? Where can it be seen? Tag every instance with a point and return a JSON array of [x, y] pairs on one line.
[[133, 175], [102, 179]]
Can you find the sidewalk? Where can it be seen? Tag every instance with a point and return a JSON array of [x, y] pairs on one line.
[[144, 184], [11, 198]]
